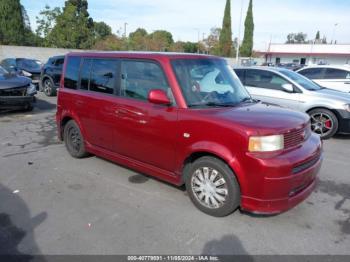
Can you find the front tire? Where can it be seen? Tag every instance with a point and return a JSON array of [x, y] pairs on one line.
[[48, 87], [74, 141], [212, 186], [324, 122]]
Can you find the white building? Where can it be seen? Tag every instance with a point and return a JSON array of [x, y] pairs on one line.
[[308, 54]]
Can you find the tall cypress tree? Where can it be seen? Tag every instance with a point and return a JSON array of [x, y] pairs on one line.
[[74, 27], [225, 40], [318, 37], [247, 44], [12, 27]]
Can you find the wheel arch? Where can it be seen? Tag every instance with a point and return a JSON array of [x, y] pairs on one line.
[[232, 164]]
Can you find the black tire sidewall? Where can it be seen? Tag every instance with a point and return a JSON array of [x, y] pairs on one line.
[[331, 115], [52, 91], [234, 195], [76, 154]]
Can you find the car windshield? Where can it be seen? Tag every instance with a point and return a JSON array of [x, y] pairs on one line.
[[209, 83], [301, 80], [3, 71], [29, 64]]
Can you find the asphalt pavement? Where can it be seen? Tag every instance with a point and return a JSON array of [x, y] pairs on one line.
[[51, 203]]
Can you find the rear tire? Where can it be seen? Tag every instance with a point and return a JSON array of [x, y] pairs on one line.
[[324, 122], [74, 140], [212, 186]]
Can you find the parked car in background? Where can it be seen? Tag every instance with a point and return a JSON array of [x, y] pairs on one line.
[[329, 109], [24, 67], [51, 75], [16, 92], [333, 77], [187, 119], [290, 66]]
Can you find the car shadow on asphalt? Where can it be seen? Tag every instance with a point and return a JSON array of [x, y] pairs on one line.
[[16, 226], [342, 136], [225, 247]]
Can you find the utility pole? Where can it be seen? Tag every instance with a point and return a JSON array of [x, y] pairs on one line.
[[125, 24], [239, 34]]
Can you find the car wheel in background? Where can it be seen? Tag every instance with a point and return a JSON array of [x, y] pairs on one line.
[[74, 140], [323, 122], [48, 87], [212, 186]]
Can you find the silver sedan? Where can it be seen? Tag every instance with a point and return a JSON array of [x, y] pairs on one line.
[[329, 110]]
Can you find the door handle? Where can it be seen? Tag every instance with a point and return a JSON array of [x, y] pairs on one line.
[[347, 83]]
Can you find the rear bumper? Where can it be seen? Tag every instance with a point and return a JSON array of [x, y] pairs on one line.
[[280, 183], [9, 102]]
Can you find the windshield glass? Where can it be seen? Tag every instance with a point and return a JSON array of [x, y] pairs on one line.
[[209, 82], [301, 80], [3, 71], [29, 64]]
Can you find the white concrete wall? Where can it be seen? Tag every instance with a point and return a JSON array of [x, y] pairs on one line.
[[332, 60], [40, 53]]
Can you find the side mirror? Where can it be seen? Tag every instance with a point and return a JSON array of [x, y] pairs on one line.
[[288, 88], [158, 97]]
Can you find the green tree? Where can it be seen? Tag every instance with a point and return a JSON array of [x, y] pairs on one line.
[[225, 40], [45, 24], [74, 27], [247, 44], [161, 40], [13, 30], [296, 38], [112, 43], [102, 30], [212, 41], [139, 40], [318, 37]]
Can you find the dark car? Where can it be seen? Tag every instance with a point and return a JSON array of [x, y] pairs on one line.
[[16, 92], [187, 119], [24, 67], [51, 75]]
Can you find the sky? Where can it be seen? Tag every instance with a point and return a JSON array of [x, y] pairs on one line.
[[188, 19]]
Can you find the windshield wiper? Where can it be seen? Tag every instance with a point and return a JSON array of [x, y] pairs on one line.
[[247, 99], [213, 104]]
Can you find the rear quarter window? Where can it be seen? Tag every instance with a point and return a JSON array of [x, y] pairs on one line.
[[71, 75]]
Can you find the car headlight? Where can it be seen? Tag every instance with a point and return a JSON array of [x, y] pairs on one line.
[[27, 74], [266, 143], [347, 107], [31, 89]]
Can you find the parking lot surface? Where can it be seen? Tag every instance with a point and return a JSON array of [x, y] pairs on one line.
[[51, 203]]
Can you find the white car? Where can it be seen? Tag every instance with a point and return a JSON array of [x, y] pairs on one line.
[[333, 77]]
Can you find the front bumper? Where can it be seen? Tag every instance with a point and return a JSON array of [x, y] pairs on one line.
[[279, 183], [344, 121], [11, 102]]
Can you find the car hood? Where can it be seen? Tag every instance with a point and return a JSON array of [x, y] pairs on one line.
[[13, 81], [333, 94], [261, 118]]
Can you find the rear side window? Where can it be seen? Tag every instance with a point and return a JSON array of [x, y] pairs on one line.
[[103, 75], [333, 73], [240, 73], [264, 79], [140, 77], [312, 73], [71, 75], [59, 62]]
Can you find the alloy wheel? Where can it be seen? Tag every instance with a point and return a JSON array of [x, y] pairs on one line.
[[321, 123]]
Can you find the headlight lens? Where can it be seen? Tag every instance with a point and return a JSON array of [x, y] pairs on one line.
[[347, 107], [266, 143], [31, 89], [27, 74]]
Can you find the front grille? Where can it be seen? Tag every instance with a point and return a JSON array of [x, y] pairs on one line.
[[18, 91], [296, 137], [35, 76], [306, 164]]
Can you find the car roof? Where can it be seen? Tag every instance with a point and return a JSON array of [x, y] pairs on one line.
[[137, 54], [266, 68], [344, 67]]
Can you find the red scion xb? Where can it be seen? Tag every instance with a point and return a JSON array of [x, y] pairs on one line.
[[187, 119]]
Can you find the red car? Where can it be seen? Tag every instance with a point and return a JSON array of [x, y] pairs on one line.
[[187, 119]]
